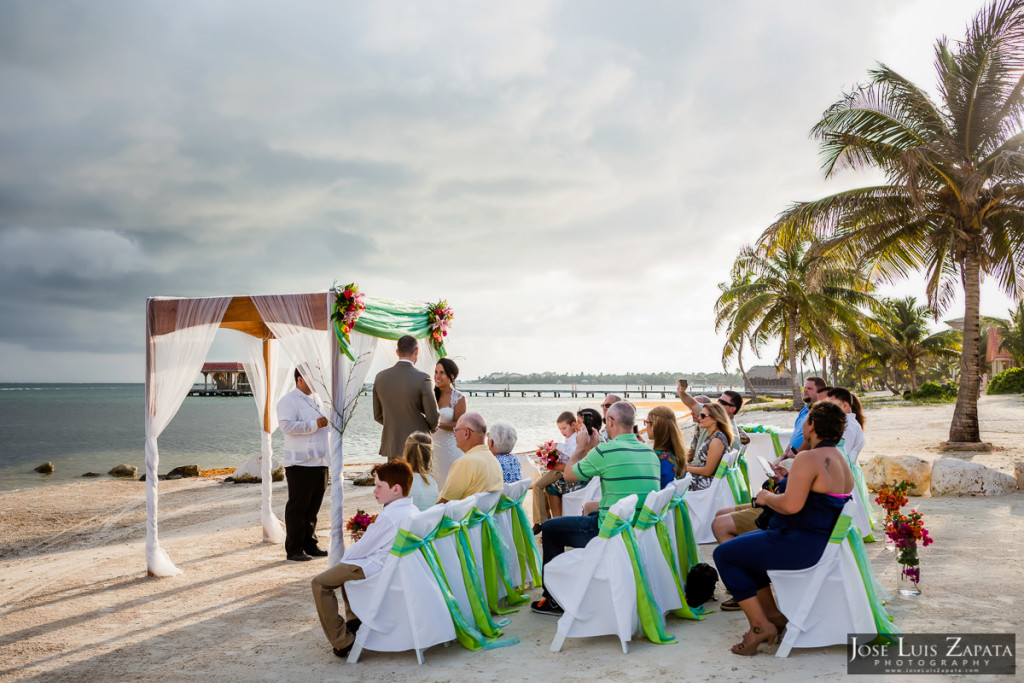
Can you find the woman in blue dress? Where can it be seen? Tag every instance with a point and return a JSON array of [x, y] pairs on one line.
[[806, 506]]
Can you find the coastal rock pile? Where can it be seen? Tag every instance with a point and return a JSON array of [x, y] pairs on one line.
[[952, 477], [886, 469], [251, 471], [45, 468], [184, 471], [124, 471]]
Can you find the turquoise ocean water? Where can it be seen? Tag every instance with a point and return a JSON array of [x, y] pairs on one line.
[[93, 427]]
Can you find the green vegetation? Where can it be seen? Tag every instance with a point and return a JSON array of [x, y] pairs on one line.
[[1009, 381], [951, 205], [932, 392], [630, 379]]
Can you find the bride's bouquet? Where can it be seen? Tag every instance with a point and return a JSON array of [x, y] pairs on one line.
[[358, 523], [547, 455]]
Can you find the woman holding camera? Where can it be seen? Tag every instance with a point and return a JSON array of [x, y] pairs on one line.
[[805, 508], [715, 421]]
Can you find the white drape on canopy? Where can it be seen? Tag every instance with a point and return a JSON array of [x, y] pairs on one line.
[[172, 362], [349, 377], [259, 355]]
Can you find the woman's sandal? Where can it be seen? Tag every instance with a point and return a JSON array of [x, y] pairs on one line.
[[753, 638]]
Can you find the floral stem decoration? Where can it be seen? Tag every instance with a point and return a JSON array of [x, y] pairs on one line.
[[358, 523], [440, 317], [348, 304], [547, 455], [905, 530]]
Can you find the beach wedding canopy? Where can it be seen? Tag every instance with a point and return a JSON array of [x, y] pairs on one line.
[[329, 336]]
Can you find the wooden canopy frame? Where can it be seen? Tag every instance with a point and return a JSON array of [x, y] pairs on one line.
[[241, 315]]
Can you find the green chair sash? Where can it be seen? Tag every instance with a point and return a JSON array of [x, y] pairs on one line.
[[477, 600], [651, 621], [731, 473], [686, 543], [527, 551], [771, 431], [494, 555], [407, 543], [647, 520], [846, 530]]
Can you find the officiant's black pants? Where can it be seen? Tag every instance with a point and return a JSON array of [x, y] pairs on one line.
[[306, 486]]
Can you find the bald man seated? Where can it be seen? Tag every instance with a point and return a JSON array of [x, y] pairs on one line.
[[477, 470]]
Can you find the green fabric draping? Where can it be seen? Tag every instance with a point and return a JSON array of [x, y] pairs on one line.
[[527, 551], [477, 601], [494, 555], [740, 492], [883, 622], [771, 431], [388, 319], [686, 543], [648, 520], [862, 488], [651, 621], [407, 543]]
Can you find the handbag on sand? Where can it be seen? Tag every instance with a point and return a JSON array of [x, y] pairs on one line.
[[700, 584]]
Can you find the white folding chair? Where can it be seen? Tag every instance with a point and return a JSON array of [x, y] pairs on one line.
[[573, 502], [402, 607], [760, 445], [826, 602], [491, 554], [703, 504], [598, 585], [524, 555], [456, 556], [659, 557]]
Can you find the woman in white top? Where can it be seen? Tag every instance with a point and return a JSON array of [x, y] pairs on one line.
[[452, 405], [418, 453], [853, 437]]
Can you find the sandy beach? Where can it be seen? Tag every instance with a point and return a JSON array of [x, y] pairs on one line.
[[76, 604]]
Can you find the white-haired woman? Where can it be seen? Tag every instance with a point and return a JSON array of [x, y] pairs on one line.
[[501, 439]]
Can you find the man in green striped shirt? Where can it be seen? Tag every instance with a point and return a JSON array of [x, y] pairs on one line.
[[625, 466]]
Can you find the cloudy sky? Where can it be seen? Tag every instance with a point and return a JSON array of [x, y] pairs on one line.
[[574, 177]]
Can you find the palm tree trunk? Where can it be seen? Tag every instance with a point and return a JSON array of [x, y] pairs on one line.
[[964, 427], [912, 371], [794, 378], [747, 386]]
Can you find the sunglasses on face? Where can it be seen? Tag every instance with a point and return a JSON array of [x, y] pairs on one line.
[[725, 403], [704, 416]]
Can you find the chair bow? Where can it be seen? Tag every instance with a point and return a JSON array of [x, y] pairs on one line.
[[650, 614], [647, 520], [522, 537]]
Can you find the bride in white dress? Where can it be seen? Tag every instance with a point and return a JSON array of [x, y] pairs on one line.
[[452, 405]]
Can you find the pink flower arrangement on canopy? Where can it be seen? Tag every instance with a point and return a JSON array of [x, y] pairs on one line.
[[348, 305], [440, 316]]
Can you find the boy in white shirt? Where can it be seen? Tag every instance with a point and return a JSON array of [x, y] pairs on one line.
[[392, 482]]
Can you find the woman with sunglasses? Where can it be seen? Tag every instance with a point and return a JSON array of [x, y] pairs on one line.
[[667, 440], [715, 420]]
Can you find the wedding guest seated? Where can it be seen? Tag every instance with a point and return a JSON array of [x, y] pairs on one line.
[[477, 470], [853, 437], [667, 441], [501, 439], [547, 505], [624, 465], [419, 453], [805, 508], [391, 484], [715, 421]]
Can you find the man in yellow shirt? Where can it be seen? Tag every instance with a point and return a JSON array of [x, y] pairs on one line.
[[477, 470]]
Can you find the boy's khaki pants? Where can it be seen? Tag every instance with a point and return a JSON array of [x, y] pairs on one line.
[[541, 509], [326, 600]]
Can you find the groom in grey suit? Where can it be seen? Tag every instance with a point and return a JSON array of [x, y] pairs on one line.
[[403, 400]]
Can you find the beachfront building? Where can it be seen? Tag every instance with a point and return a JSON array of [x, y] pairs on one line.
[[768, 380], [223, 379]]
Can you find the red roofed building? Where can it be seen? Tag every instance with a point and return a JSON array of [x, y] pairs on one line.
[[998, 360], [223, 379]]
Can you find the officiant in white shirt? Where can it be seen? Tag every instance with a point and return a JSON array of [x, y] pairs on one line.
[[304, 426]]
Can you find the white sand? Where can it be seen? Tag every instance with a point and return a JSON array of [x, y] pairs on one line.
[[75, 603]]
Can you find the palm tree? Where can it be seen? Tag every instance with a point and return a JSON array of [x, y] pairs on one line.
[[793, 295], [1012, 333], [905, 325], [953, 200], [725, 316]]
